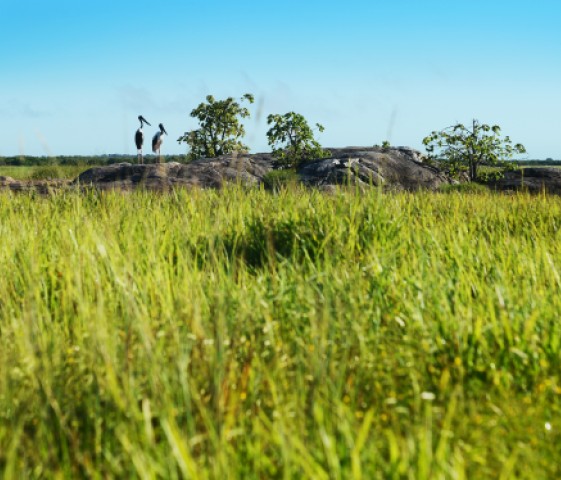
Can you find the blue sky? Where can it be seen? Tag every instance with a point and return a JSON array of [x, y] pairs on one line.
[[75, 75]]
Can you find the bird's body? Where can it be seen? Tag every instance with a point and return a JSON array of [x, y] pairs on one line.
[[139, 138], [157, 141]]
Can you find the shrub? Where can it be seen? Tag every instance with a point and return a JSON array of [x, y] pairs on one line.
[[292, 139], [220, 130], [47, 172]]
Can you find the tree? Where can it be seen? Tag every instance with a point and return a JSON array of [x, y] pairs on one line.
[[292, 139], [220, 130], [465, 149]]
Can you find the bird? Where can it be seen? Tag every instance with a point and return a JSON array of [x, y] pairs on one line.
[[157, 141], [139, 138]]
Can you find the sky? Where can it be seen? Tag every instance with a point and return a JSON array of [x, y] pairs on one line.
[[75, 75]]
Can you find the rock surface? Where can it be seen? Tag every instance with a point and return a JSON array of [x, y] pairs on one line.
[[532, 179], [395, 168], [206, 173], [39, 186]]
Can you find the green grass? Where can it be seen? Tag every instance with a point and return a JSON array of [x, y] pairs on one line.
[[466, 187], [243, 334], [46, 172]]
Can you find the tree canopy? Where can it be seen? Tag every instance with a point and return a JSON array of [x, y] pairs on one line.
[[292, 139], [466, 148], [220, 129]]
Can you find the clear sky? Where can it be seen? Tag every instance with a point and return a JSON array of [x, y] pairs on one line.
[[75, 74]]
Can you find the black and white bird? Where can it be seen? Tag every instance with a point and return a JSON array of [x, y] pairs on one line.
[[157, 141], [139, 138]]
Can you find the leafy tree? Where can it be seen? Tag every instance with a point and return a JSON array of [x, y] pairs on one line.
[[220, 130], [292, 139], [466, 148]]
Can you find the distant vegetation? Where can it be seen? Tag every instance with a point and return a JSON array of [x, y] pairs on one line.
[[78, 160], [539, 163], [43, 172], [92, 160]]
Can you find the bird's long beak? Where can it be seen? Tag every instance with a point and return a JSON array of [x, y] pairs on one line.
[[164, 130], [146, 121]]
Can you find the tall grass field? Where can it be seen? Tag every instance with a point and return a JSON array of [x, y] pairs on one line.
[[250, 335], [45, 172]]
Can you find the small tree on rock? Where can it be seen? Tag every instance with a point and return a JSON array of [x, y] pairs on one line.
[[465, 149], [292, 139], [220, 130]]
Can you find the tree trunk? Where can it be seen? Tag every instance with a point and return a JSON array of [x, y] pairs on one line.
[[472, 171]]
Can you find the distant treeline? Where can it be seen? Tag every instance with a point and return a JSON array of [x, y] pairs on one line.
[[77, 160], [539, 163]]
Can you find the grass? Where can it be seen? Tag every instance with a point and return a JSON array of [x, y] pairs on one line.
[[243, 334], [279, 179], [46, 172], [466, 187]]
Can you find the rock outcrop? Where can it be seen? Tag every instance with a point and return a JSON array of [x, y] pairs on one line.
[[395, 168], [248, 170], [39, 186], [531, 179]]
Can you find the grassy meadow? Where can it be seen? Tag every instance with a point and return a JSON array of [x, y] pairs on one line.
[[244, 334], [45, 172]]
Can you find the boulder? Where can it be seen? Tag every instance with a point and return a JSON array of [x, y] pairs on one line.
[[245, 169], [394, 168], [39, 186], [6, 181], [398, 168]]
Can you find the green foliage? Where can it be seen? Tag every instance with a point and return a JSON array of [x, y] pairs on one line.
[[464, 188], [73, 160], [386, 145], [48, 172], [220, 130], [277, 179], [81, 161], [44, 172], [292, 139], [492, 174], [464, 149], [240, 334]]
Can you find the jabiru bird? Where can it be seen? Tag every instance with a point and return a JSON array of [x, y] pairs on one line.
[[139, 138], [157, 141]]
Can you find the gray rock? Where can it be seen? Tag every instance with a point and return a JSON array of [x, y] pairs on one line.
[[207, 173], [394, 168], [38, 186], [531, 179], [6, 181], [398, 168]]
